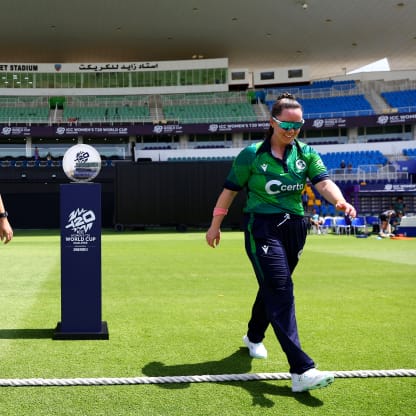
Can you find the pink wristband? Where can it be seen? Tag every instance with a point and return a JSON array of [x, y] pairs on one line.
[[219, 211]]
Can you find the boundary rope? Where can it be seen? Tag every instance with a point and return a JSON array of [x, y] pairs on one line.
[[49, 382]]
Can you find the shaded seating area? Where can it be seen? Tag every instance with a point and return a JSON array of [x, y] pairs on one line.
[[24, 109], [210, 113], [109, 114], [24, 114]]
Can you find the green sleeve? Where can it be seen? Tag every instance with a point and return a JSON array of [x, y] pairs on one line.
[[317, 171], [241, 169]]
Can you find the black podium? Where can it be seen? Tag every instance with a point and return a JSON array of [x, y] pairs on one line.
[[80, 214]]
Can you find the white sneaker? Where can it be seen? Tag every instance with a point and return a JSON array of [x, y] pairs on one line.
[[311, 379], [256, 350]]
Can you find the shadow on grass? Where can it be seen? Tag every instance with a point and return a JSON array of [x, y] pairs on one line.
[[237, 363], [26, 333]]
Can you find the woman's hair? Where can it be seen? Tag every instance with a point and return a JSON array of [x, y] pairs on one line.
[[283, 102]]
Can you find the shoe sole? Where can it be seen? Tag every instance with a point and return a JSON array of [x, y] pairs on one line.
[[323, 383]]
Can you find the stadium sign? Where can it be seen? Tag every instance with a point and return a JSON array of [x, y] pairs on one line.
[[360, 121], [73, 130]]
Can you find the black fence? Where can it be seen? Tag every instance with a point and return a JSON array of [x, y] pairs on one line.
[[144, 194], [31, 196], [154, 194], [179, 194]]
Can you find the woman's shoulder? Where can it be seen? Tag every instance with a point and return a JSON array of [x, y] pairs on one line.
[[305, 148], [253, 147], [250, 150]]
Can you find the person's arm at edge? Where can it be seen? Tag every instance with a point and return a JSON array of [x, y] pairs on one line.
[[6, 231], [224, 202]]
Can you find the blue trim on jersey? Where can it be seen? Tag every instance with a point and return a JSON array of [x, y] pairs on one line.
[[232, 186], [319, 178]]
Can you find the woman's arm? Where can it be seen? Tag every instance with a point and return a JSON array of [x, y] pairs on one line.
[[331, 192], [224, 202], [6, 231]]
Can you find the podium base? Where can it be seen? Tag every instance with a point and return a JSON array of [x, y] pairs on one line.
[[60, 335]]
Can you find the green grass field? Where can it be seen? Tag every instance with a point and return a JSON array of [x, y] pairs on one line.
[[174, 306]]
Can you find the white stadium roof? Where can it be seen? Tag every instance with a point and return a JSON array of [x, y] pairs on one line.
[[331, 37]]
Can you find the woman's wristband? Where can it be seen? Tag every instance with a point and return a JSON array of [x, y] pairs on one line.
[[219, 211]]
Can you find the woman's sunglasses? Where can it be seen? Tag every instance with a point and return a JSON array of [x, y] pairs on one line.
[[289, 125]]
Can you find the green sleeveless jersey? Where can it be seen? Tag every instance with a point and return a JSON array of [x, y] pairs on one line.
[[273, 185]]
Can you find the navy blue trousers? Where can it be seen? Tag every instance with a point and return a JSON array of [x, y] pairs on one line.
[[273, 244]]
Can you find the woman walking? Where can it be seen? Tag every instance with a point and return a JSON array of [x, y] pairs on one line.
[[274, 173]]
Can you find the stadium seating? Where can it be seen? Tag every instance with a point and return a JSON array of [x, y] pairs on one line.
[[24, 114], [353, 105], [358, 158], [329, 224], [210, 113], [101, 114], [324, 88], [319, 99], [358, 225], [341, 226], [410, 152], [401, 99]]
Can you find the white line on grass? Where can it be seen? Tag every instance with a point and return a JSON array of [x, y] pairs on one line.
[[49, 382]]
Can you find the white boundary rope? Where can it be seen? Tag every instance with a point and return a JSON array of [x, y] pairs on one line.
[[49, 382]]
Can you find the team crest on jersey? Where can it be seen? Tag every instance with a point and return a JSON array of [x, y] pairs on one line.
[[300, 164]]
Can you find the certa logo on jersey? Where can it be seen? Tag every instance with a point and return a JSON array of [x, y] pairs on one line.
[[274, 187]]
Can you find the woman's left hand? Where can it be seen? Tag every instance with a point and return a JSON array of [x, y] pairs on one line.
[[347, 208]]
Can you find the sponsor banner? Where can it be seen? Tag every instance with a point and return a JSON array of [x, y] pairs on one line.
[[389, 187], [70, 131], [15, 131], [130, 130], [360, 121]]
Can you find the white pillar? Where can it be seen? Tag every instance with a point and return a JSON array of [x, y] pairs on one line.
[[28, 147], [183, 141], [237, 139]]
